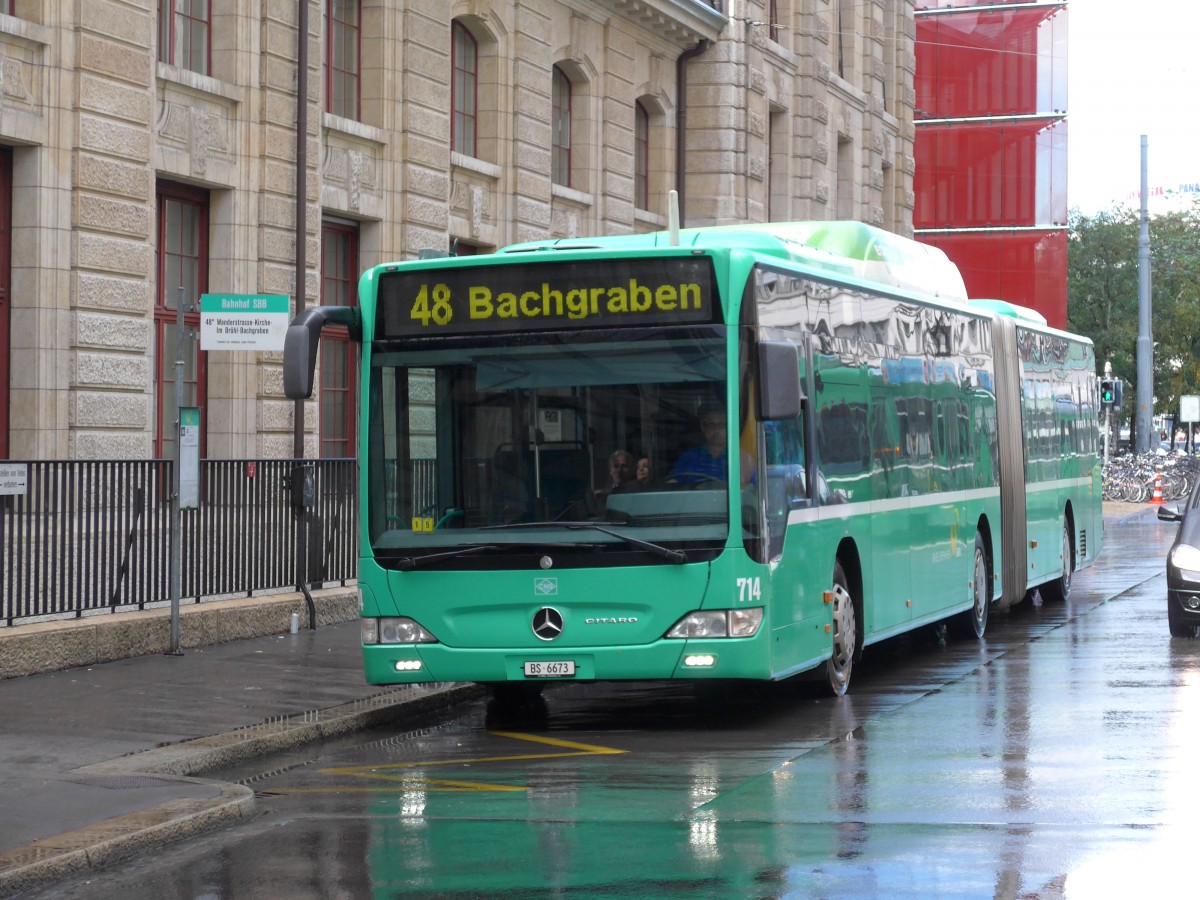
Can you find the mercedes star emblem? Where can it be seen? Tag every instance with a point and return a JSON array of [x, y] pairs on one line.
[[547, 623]]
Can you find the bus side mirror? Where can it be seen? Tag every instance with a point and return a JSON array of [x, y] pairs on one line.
[[301, 342], [779, 392], [300, 360]]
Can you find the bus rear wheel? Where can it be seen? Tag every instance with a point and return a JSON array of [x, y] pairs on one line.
[[845, 634], [1059, 590], [973, 622]]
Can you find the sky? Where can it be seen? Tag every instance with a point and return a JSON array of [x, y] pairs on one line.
[[1133, 68]]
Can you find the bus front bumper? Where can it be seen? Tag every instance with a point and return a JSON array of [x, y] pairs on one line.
[[665, 659]]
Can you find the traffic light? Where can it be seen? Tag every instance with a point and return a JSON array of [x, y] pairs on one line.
[[1118, 390], [1108, 393]]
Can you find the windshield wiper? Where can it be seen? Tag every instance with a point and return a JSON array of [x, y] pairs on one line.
[[675, 556], [408, 563]]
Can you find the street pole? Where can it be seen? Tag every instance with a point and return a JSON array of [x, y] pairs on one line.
[[1145, 347], [177, 479], [301, 194], [1107, 413], [300, 511]]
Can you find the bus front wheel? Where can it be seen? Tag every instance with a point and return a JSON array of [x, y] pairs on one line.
[[845, 634]]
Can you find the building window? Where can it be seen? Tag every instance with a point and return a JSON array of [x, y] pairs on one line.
[[343, 57], [890, 55], [846, 182], [464, 100], [339, 359], [889, 196], [778, 208], [183, 31], [182, 263], [641, 156], [462, 248], [844, 38], [560, 127], [773, 20]]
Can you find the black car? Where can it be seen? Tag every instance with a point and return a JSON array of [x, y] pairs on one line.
[[1183, 566]]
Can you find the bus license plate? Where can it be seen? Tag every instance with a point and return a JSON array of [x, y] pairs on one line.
[[550, 669]]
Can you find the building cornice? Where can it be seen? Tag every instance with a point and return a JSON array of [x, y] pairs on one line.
[[684, 22]]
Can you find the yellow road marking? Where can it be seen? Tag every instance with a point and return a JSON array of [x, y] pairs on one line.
[[589, 749], [427, 785], [400, 777]]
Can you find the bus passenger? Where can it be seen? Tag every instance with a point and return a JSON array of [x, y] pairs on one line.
[[645, 473], [620, 473]]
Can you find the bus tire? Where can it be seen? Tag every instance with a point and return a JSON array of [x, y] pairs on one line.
[[845, 634], [1059, 590], [973, 622]]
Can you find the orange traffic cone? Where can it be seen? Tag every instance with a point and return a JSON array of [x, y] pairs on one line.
[[1156, 497]]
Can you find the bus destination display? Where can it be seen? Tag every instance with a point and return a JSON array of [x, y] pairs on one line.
[[541, 296]]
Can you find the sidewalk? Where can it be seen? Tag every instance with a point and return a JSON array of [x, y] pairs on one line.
[[97, 761]]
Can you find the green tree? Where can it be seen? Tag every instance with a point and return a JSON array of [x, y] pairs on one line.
[[1175, 307], [1102, 298]]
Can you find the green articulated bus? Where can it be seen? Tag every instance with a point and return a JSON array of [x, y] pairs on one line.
[[840, 447]]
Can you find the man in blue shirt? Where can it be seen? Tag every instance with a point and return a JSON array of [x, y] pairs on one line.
[[708, 462]]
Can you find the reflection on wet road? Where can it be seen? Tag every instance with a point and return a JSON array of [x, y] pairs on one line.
[[1051, 760]]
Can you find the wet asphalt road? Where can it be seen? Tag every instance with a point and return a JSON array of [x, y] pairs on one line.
[[1052, 760]]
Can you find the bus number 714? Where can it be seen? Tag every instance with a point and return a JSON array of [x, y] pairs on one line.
[[749, 590]]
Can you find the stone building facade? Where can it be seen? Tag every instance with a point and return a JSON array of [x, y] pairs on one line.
[[146, 146]]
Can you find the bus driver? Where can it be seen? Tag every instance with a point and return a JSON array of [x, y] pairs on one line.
[[708, 461]]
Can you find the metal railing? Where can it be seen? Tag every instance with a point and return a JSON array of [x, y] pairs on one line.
[[87, 536]]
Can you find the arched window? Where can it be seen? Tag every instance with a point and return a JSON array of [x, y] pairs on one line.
[[183, 34], [464, 100], [5, 285], [560, 129], [339, 360], [343, 57], [182, 263], [641, 156]]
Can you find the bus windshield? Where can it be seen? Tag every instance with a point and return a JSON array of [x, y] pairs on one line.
[[491, 452]]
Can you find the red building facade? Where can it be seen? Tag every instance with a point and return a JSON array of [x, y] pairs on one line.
[[991, 146]]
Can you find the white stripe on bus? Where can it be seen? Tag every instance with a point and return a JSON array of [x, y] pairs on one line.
[[919, 501]]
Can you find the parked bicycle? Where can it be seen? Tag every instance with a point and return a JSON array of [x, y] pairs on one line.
[[1131, 478]]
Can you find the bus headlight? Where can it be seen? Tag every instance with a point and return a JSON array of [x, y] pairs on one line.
[[401, 630], [718, 623]]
